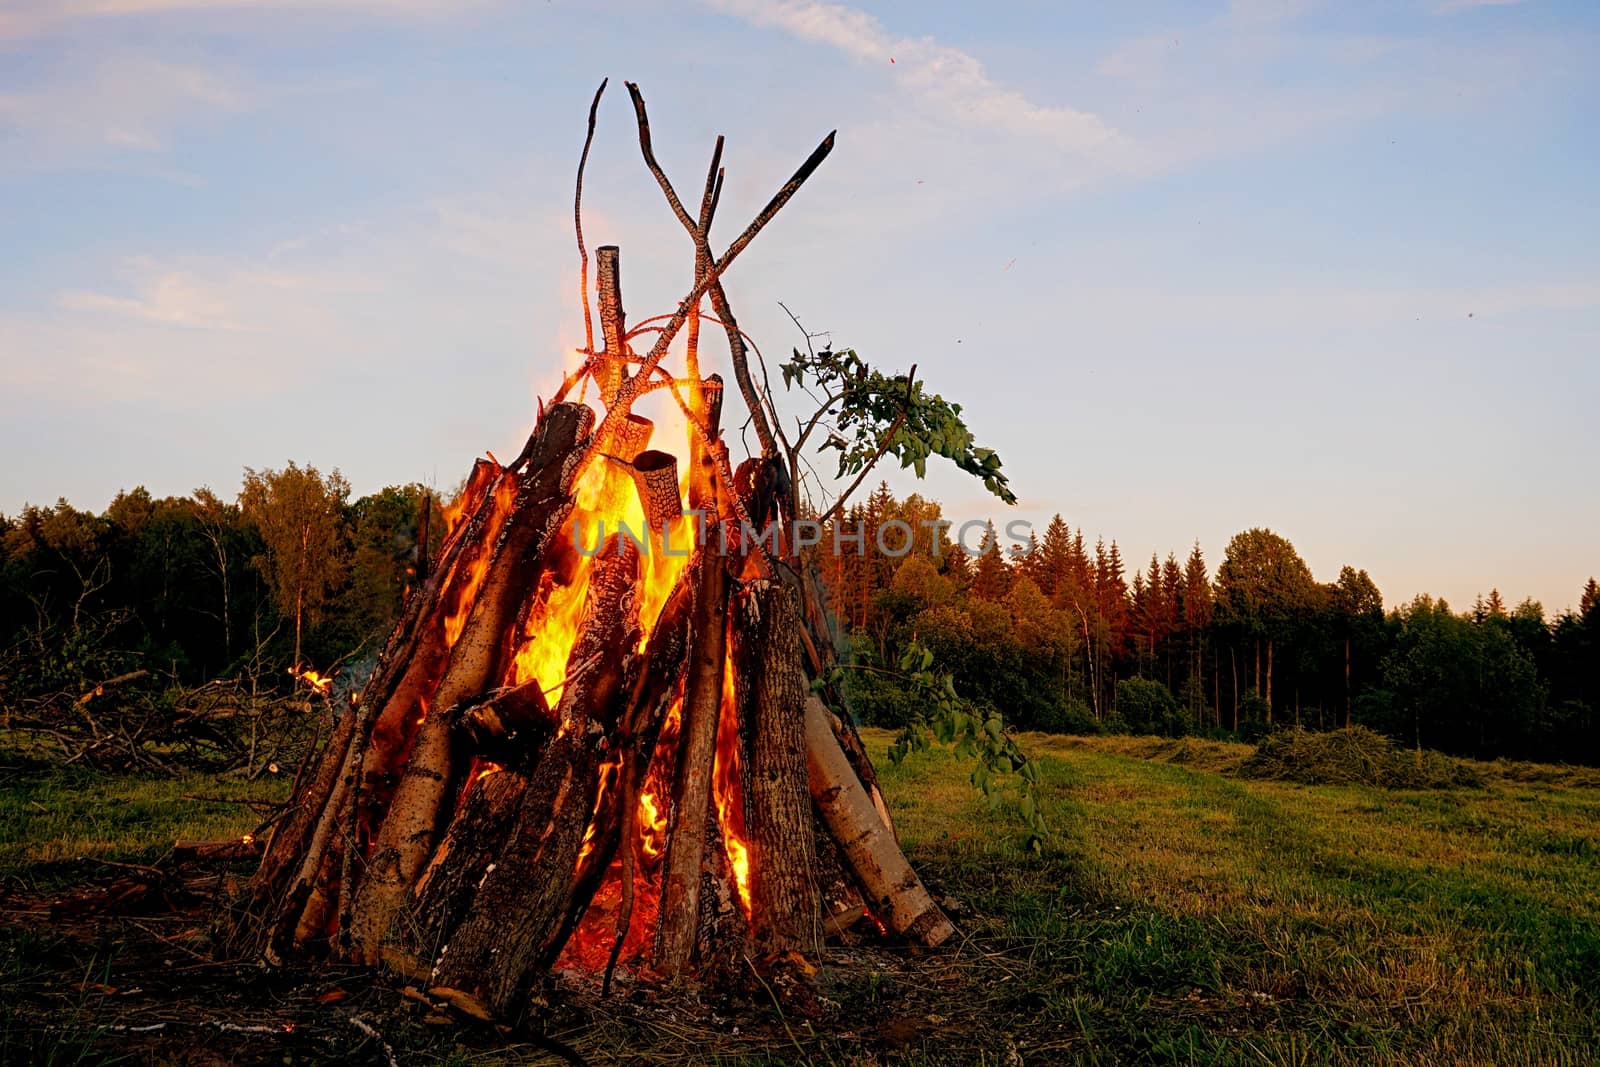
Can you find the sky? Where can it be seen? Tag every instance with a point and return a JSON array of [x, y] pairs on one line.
[[1190, 268]]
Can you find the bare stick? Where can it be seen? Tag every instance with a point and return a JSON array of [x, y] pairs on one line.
[[659, 350], [577, 222], [719, 298], [707, 206]]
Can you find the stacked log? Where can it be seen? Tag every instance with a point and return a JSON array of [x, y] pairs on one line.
[[459, 820]]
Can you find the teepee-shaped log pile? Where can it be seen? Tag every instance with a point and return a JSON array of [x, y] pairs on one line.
[[590, 738]]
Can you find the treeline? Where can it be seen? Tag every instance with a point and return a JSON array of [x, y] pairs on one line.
[[1064, 635], [1056, 634], [289, 572]]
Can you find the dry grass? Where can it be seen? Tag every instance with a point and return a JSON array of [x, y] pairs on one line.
[[1357, 756]]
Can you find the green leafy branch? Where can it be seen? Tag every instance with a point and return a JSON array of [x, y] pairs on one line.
[[872, 414], [1002, 768]]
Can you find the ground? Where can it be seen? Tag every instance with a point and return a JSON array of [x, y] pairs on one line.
[[1182, 914]]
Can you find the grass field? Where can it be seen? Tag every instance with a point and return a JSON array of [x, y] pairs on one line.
[[1182, 915]]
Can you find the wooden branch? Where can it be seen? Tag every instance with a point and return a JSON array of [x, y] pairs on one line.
[[630, 389], [894, 893], [702, 263], [699, 233], [232, 849], [99, 690], [577, 222], [611, 368], [355, 841], [272, 894]]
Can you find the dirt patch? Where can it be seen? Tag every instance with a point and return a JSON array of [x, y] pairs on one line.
[[121, 967]]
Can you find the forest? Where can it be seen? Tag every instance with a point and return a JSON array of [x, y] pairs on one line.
[[292, 579]]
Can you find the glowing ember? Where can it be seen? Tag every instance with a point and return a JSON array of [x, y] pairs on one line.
[[488, 769]]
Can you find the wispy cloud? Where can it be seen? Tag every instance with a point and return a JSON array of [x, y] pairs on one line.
[[29, 18], [115, 104], [948, 81], [1450, 7], [170, 298]]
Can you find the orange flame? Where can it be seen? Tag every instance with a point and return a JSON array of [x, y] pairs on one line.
[[724, 781], [652, 826], [320, 684], [477, 569], [606, 502]]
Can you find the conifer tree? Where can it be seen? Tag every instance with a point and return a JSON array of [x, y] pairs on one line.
[[991, 579]]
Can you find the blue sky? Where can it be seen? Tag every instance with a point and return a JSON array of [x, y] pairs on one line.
[[1329, 268]]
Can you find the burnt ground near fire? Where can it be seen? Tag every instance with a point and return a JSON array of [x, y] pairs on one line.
[[1181, 914]]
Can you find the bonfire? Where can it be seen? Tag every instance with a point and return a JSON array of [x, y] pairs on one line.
[[591, 741]]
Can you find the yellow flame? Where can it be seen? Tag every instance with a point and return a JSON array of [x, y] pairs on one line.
[[724, 780], [319, 683], [477, 570], [605, 499], [652, 825]]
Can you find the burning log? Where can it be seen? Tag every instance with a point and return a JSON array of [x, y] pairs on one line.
[[510, 931], [445, 891], [702, 708], [684, 801], [784, 905], [613, 369], [409, 827], [656, 474], [508, 723]]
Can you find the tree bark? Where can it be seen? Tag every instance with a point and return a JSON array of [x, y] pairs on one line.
[[894, 893], [691, 795], [612, 371], [1347, 683], [784, 907], [446, 889], [702, 708], [512, 928], [411, 824], [1269, 680]]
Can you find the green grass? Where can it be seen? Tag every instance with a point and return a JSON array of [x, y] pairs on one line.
[[1181, 915], [56, 822], [1186, 916]]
